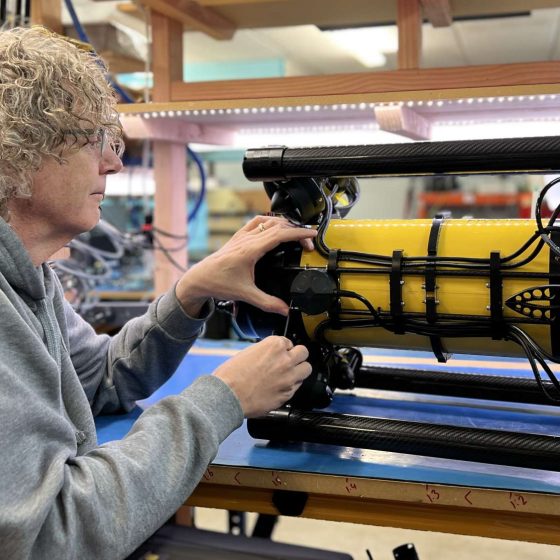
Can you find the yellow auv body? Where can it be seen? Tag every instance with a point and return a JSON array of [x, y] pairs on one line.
[[456, 295]]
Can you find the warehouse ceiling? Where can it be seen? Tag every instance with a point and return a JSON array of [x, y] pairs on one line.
[[489, 32]]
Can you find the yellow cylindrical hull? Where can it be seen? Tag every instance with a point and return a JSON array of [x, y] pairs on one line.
[[457, 295]]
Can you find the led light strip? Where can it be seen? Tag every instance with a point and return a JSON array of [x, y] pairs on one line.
[[341, 107]]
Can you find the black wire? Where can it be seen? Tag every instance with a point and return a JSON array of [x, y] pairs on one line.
[[175, 249], [535, 346], [168, 234], [533, 355], [469, 264], [462, 263], [536, 355], [365, 301], [323, 225], [159, 247]]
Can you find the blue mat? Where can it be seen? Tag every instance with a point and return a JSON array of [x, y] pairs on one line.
[[240, 450]]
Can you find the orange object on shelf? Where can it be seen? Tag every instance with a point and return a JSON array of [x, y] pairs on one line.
[[522, 202]]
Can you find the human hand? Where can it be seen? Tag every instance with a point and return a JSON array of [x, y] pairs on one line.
[[266, 374], [229, 273]]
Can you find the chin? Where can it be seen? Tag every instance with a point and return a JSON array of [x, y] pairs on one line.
[[89, 223]]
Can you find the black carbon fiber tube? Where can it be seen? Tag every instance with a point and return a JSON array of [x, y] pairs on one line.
[[541, 154], [454, 384], [432, 440]]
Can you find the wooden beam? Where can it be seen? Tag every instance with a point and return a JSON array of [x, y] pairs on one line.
[[455, 519], [433, 81], [409, 24], [167, 55], [192, 14], [438, 12], [132, 9], [251, 14], [343, 98], [170, 158], [47, 13], [175, 130], [404, 122], [239, 2], [170, 212]]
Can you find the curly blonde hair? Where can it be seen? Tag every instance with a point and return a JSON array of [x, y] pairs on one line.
[[48, 88]]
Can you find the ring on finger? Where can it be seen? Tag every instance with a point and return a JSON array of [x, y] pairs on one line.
[[261, 227]]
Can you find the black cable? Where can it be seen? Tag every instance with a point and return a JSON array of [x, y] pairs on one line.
[[467, 263], [365, 301], [175, 249], [535, 355], [159, 247], [454, 328], [168, 234], [521, 338], [320, 244]]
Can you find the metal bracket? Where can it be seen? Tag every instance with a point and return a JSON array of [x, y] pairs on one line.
[[289, 502]]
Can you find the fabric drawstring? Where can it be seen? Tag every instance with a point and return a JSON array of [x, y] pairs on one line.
[[45, 312]]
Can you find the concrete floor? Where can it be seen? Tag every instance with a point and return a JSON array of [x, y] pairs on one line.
[[380, 541]]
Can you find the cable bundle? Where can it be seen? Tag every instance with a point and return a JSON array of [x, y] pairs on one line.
[[452, 326]]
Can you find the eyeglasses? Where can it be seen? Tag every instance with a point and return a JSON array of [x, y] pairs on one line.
[[116, 144], [98, 139]]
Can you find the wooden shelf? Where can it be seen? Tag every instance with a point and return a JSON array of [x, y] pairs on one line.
[[434, 83], [216, 122], [490, 81], [250, 14]]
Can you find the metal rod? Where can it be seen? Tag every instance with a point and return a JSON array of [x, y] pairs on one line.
[[503, 155], [454, 384], [432, 440]]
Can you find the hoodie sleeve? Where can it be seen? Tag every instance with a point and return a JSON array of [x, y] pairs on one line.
[[117, 371], [103, 504]]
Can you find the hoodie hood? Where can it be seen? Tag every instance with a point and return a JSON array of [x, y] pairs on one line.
[[16, 265]]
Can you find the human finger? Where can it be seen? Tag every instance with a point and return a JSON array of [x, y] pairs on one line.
[[254, 223], [283, 341], [302, 371], [273, 237], [265, 301], [307, 244], [299, 354], [290, 390]]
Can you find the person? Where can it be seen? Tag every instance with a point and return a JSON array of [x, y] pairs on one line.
[[62, 495]]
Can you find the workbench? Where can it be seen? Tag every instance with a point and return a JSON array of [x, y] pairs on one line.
[[375, 487]]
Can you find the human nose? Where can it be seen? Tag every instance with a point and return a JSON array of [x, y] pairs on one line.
[[110, 163]]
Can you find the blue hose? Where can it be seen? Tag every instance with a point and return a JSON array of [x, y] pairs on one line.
[[202, 193]]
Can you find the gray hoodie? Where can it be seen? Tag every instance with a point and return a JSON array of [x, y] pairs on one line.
[[61, 495]]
